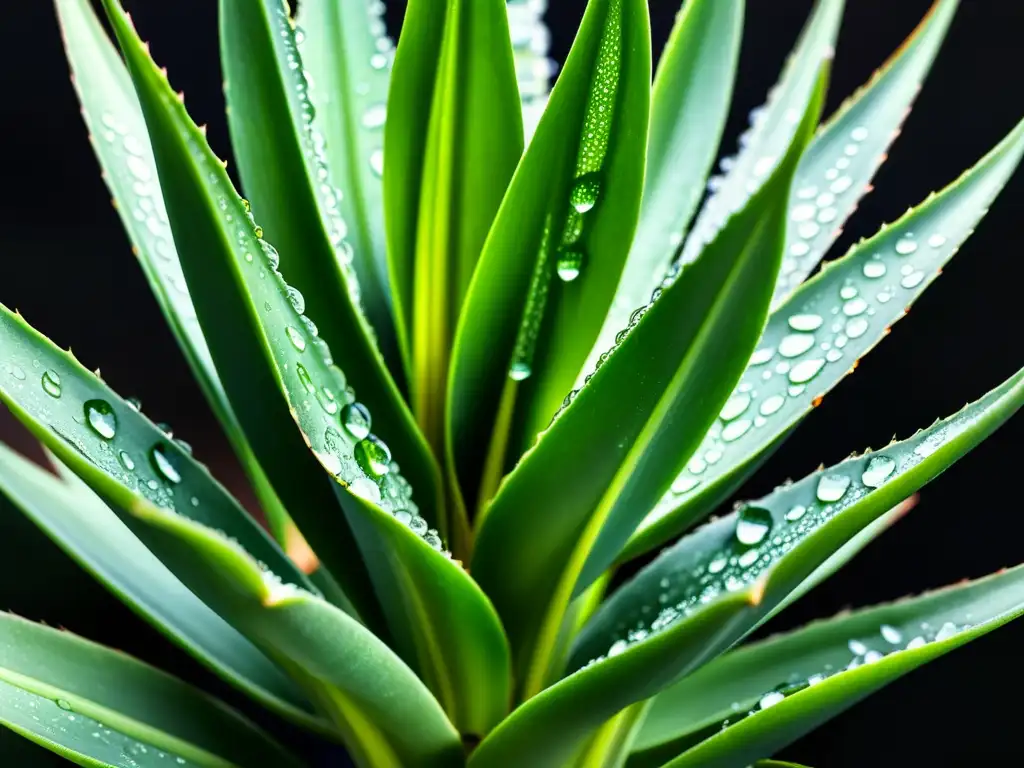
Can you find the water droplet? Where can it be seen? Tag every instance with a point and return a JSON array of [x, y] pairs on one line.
[[854, 307], [772, 405], [856, 327], [859, 133], [874, 269], [519, 371], [857, 648], [891, 634], [295, 338], [752, 525], [806, 370], [734, 407], [905, 246], [296, 299], [718, 564], [937, 240], [51, 383], [126, 461], [365, 488], [163, 465], [805, 322], [325, 397], [808, 229], [946, 631], [803, 212], [832, 487], [684, 484], [585, 193], [63, 704], [304, 379], [770, 699], [101, 418], [377, 161], [841, 184], [373, 456], [912, 280], [357, 421], [569, 263], [847, 291], [762, 356], [375, 116], [795, 344], [734, 430], [796, 513], [878, 470]]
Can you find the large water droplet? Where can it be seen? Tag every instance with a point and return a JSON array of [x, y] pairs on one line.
[[585, 193], [734, 407], [377, 161], [126, 461], [734, 430], [570, 261], [832, 487], [795, 344], [373, 456], [772, 404], [519, 371], [357, 421], [795, 513], [874, 269], [805, 370], [905, 246], [51, 383], [365, 488], [752, 525], [304, 379], [162, 464], [296, 299], [295, 338], [375, 116], [101, 418], [890, 634], [805, 323], [855, 307], [877, 471], [762, 356]]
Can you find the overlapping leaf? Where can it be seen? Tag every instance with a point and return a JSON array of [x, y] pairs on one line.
[[820, 333], [290, 375], [601, 462], [689, 104], [756, 700], [710, 589], [96, 707], [85, 528], [534, 70], [571, 209]]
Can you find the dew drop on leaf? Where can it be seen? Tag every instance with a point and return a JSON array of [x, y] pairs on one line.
[[126, 460], [752, 525], [357, 421], [295, 338], [51, 383], [101, 419], [805, 370], [905, 246], [805, 323], [890, 634], [832, 487], [795, 344], [373, 456], [304, 379], [878, 470], [734, 407], [163, 465]]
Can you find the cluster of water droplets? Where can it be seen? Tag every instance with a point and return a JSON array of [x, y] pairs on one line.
[[314, 148], [57, 721], [807, 342], [534, 70], [761, 537], [819, 206], [562, 238], [863, 650], [146, 208]]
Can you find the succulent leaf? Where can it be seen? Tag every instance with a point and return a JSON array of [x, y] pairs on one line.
[[816, 338]]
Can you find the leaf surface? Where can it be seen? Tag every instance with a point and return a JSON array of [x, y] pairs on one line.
[[91, 534], [525, 330], [615, 448], [118, 132], [699, 597], [814, 673], [690, 102], [531, 41], [97, 706], [816, 338]]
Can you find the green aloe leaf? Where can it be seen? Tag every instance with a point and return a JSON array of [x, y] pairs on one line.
[[99, 707], [283, 165], [91, 534], [453, 144], [599, 465], [531, 41], [417, 586], [756, 700], [836, 170], [776, 764], [385, 715], [771, 129], [816, 338], [114, 448], [690, 102], [118, 132], [555, 253], [346, 57], [705, 593], [274, 366]]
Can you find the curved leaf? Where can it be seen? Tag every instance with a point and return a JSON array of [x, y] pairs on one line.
[[690, 102], [776, 543], [756, 700], [816, 338], [346, 58], [118, 132], [298, 382], [836, 170], [85, 528], [534, 70], [386, 717], [701, 609], [574, 200], [771, 130], [283, 165], [96, 706], [616, 447], [275, 368]]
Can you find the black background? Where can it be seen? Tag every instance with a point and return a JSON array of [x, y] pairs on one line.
[[67, 266]]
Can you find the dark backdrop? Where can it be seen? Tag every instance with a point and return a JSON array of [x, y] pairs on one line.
[[67, 266]]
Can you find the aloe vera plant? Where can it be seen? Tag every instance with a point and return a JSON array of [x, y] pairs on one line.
[[475, 374]]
